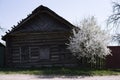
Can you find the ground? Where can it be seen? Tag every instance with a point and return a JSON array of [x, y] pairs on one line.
[[52, 77], [59, 73]]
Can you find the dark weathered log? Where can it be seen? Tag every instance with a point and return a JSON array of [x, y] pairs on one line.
[[39, 40]]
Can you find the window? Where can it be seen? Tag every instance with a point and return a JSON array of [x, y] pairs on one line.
[[44, 53], [15, 55], [34, 53], [24, 53]]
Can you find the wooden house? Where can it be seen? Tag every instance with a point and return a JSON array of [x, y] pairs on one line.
[[2, 50], [39, 40]]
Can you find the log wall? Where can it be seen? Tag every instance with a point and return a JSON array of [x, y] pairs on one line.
[[24, 50]]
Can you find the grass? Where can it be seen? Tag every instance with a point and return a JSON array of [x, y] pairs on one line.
[[61, 71]]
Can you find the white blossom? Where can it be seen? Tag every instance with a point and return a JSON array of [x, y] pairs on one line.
[[89, 41]]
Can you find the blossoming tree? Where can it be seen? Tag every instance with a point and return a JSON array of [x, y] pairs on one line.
[[89, 41]]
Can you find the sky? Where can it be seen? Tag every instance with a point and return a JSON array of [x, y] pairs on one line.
[[12, 11]]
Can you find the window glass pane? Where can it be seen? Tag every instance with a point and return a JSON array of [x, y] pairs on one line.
[[44, 53]]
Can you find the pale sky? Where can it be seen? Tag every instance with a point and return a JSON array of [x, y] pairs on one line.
[[12, 11]]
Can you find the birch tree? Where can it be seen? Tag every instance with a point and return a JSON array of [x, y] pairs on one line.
[[89, 41]]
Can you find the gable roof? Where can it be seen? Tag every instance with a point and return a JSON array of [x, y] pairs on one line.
[[40, 9]]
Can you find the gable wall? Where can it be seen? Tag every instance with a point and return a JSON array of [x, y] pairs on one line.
[[42, 22]]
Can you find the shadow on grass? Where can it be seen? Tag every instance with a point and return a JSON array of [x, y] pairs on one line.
[[116, 70], [60, 72], [48, 71]]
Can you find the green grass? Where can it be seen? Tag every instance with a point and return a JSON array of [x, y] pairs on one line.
[[61, 71]]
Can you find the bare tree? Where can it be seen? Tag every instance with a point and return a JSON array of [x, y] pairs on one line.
[[114, 19], [3, 29], [114, 22]]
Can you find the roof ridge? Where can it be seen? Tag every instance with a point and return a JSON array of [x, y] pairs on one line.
[[41, 7]]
